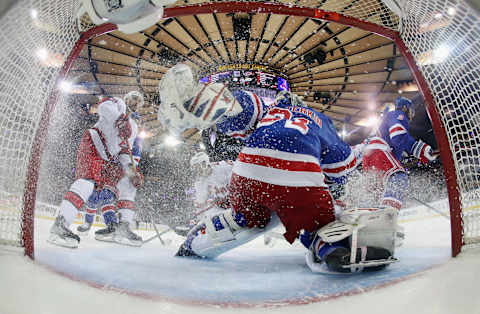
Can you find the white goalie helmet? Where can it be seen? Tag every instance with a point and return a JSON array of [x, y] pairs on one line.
[[130, 15], [185, 103], [133, 100]]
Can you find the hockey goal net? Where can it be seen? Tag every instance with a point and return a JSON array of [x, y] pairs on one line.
[[40, 39]]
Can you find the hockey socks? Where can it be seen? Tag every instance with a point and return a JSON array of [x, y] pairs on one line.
[[109, 216], [395, 190]]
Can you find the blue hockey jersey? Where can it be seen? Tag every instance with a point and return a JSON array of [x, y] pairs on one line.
[[242, 125], [291, 145], [394, 130]]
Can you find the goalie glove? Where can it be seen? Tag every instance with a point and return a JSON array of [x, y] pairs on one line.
[[423, 152]]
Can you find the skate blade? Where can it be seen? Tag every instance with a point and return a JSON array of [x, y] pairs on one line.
[[59, 241], [123, 241], [83, 233], [362, 265], [104, 239]]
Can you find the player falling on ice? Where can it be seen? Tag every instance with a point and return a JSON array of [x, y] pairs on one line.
[[124, 204], [279, 176]]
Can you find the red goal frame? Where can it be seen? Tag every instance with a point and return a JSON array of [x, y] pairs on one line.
[[250, 7]]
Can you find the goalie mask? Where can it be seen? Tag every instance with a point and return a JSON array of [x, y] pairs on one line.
[[134, 101], [185, 103]]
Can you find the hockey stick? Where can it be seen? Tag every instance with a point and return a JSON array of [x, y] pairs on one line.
[[431, 208], [158, 235]]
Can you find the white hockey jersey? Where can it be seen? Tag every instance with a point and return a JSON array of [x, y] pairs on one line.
[[213, 189], [109, 112]]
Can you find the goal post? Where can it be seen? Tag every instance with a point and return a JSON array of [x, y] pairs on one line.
[[41, 134], [40, 42]]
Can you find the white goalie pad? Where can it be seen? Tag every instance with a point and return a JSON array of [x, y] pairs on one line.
[[365, 227], [213, 243], [377, 227], [335, 231], [372, 226]]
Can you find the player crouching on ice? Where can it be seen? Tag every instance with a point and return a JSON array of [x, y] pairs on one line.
[[277, 177]]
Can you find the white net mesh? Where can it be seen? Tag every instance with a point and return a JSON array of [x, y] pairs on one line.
[[36, 37], [443, 37]]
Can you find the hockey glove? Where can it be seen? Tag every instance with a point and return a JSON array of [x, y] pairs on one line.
[[124, 127], [135, 176], [423, 152], [137, 180]]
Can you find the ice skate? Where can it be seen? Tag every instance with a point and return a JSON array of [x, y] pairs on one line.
[[106, 234], [84, 228], [374, 259], [123, 235], [62, 236], [185, 251]]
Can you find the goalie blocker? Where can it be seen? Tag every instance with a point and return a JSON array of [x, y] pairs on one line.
[[361, 239]]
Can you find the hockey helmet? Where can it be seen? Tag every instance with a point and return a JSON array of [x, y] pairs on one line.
[[291, 98], [133, 100], [405, 105], [110, 109], [185, 103]]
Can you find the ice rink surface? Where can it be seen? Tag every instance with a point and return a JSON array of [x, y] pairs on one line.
[[257, 278]]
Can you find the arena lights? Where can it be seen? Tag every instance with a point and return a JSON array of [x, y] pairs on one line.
[[65, 86], [49, 59], [451, 11], [438, 55], [373, 121], [171, 141], [34, 14], [441, 54], [42, 54]]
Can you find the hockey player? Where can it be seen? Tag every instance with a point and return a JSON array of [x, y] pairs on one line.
[[127, 186], [277, 177], [97, 168], [383, 153], [211, 187]]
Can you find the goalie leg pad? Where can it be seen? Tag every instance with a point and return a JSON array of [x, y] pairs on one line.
[[366, 242], [220, 233], [396, 187], [377, 228]]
